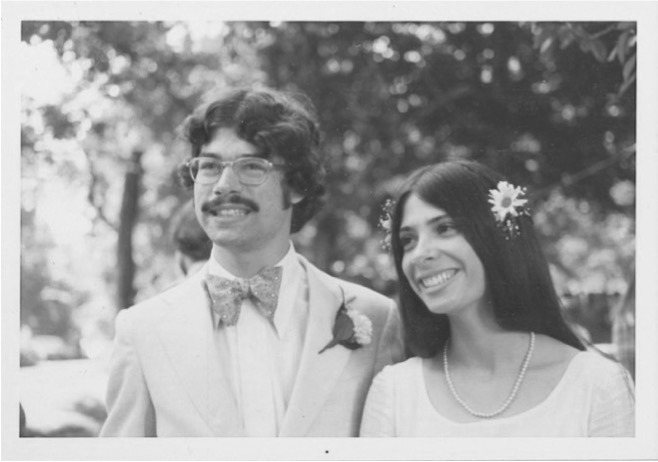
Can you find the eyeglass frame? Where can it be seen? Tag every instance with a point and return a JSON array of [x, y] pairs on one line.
[[229, 163]]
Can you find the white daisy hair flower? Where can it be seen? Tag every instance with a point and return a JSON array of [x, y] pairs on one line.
[[506, 200], [507, 204]]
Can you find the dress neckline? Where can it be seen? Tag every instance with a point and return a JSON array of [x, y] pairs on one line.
[[568, 371]]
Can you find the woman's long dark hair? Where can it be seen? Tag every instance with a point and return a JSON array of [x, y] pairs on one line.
[[518, 278]]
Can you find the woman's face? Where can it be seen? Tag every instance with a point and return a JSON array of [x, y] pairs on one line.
[[440, 264]]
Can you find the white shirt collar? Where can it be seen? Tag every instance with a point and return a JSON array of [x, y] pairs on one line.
[[291, 274]]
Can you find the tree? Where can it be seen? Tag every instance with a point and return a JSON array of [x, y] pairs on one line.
[[552, 105], [394, 96], [122, 88]]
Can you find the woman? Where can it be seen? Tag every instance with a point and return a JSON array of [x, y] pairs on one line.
[[491, 354]]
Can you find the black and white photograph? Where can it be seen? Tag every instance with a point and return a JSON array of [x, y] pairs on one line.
[[350, 230]]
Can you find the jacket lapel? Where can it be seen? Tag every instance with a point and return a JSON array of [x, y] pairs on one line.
[[317, 373], [187, 337]]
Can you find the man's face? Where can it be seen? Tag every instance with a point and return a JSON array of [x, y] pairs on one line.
[[239, 217]]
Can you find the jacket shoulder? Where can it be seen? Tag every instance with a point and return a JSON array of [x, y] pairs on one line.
[[364, 299], [351, 288], [362, 292], [159, 305]]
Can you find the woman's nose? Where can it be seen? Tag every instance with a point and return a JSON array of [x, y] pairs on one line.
[[425, 253]]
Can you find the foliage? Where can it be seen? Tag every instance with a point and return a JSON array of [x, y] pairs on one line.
[[606, 42], [552, 105], [396, 96], [118, 88]]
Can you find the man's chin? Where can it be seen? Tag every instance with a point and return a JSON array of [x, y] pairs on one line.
[[228, 239], [226, 235]]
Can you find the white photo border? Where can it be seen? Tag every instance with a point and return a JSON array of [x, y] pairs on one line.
[[643, 446]]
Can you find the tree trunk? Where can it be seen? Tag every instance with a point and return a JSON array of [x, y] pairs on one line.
[[127, 219]]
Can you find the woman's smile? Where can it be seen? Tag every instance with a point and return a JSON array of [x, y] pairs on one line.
[[437, 279]]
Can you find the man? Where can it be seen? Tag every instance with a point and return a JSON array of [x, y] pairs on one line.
[[191, 362]]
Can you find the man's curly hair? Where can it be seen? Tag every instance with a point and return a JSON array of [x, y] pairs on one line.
[[279, 124]]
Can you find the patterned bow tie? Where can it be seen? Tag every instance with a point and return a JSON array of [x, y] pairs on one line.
[[226, 295]]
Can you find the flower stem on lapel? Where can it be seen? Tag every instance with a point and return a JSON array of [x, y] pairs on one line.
[[351, 329]]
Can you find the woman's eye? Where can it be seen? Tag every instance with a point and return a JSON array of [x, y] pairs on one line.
[[446, 228], [406, 242]]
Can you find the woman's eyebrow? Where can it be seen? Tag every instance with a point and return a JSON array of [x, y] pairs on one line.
[[438, 218], [429, 221]]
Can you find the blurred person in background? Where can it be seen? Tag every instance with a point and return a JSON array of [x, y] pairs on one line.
[[258, 342], [193, 245], [22, 421], [492, 353]]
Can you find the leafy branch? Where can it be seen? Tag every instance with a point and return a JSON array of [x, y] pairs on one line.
[[615, 41]]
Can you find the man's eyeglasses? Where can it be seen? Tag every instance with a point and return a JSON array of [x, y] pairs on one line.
[[249, 170]]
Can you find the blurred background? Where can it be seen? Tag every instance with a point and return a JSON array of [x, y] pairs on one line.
[[551, 105]]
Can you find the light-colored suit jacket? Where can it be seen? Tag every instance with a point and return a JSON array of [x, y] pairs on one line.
[[166, 378]]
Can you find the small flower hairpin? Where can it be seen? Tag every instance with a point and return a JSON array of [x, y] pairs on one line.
[[385, 223], [507, 205]]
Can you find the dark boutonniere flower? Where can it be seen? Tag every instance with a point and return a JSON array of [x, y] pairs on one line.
[[352, 329]]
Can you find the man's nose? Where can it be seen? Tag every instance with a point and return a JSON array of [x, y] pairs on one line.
[[227, 182]]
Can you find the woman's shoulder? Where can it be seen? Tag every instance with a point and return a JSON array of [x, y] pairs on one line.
[[402, 378], [403, 370], [405, 366], [551, 359], [550, 351], [584, 369], [591, 370], [598, 368]]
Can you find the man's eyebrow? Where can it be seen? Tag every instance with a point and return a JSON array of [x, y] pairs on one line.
[[219, 156]]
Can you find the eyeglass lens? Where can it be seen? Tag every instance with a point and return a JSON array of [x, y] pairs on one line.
[[248, 170]]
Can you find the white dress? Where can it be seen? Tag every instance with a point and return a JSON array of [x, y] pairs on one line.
[[595, 397]]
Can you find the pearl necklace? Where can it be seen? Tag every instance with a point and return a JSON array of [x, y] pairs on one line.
[[510, 398]]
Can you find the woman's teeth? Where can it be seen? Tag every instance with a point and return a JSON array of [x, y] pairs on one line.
[[437, 279]]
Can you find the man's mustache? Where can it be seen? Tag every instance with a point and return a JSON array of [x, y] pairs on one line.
[[232, 199]]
